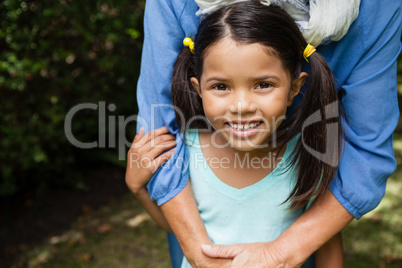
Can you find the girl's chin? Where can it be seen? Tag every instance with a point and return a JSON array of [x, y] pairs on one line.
[[246, 145]]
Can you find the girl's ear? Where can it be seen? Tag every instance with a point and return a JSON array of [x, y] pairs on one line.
[[296, 86], [194, 81]]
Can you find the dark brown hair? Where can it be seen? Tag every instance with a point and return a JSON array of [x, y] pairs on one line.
[[252, 22]]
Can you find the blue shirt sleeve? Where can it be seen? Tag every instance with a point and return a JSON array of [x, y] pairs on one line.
[[164, 32], [364, 65]]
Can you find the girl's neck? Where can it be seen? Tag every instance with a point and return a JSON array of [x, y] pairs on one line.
[[238, 168]]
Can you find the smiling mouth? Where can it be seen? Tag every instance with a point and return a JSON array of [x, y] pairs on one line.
[[244, 126]]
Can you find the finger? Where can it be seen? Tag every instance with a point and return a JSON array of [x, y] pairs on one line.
[[152, 154], [141, 132], [221, 251], [157, 150], [223, 263], [148, 142], [154, 133], [139, 135], [163, 158], [157, 142]]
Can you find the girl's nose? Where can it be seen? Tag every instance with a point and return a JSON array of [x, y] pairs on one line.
[[242, 105]]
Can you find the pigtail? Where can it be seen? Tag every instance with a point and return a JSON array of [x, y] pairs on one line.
[[187, 102], [318, 150]]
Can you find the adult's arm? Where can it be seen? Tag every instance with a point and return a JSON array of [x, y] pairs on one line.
[[364, 64], [330, 255], [185, 221], [164, 33]]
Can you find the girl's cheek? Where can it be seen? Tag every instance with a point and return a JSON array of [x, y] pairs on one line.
[[210, 101]]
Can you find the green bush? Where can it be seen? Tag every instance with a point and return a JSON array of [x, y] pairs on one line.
[[53, 56]]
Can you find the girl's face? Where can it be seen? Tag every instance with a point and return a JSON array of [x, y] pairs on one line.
[[245, 92]]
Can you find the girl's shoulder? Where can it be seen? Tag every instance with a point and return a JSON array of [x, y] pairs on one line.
[[191, 137], [194, 136], [198, 141]]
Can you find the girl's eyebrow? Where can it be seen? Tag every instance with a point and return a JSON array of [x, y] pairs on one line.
[[267, 77], [216, 79], [264, 77]]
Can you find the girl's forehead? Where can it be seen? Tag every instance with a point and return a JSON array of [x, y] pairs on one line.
[[234, 52], [228, 44]]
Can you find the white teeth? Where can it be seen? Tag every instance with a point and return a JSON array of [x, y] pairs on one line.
[[243, 126]]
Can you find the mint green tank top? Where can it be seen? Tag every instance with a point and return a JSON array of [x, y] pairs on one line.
[[252, 214]]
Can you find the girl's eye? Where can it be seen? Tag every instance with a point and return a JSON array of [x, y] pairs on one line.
[[264, 85], [220, 87]]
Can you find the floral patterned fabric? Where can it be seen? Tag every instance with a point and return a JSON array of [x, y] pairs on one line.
[[321, 21]]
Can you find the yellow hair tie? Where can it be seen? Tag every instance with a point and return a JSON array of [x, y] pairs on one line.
[[189, 43], [308, 51]]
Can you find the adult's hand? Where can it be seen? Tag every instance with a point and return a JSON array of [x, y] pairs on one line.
[[203, 261], [251, 255], [146, 156], [324, 219]]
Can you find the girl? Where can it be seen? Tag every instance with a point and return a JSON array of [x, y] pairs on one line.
[[253, 168]]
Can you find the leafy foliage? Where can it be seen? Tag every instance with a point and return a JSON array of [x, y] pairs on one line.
[[55, 55]]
